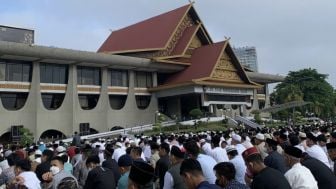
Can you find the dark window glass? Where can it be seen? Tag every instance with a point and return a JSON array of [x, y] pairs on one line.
[[119, 78], [13, 101], [14, 72], [88, 75], [88, 102], [143, 79], [2, 71], [53, 73], [142, 101], [117, 101], [11, 70], [52, 101], [25, 72]]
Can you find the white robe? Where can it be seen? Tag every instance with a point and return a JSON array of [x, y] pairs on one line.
[[300, 177]]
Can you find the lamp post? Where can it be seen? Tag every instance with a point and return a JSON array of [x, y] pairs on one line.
[[157, 119]]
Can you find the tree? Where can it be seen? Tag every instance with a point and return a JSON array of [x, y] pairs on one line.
[[310, 86], [26, 137], [196, 113]]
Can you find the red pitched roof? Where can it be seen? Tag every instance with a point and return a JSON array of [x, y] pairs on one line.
[[153, 33], [184, 40], [203, 61]]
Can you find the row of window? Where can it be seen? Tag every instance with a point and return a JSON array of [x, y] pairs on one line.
[[15, 101], [20, 71]]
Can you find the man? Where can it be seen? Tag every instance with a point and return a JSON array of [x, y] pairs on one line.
[[56, 174], [263, 176], [76, 139], [192, 174], [24, 175], [236, 142], [298, 176], [124, 163], [274, 159], [118, 151], [155, 154], [110, 163], [136, 154], [98, 177], [331, 147], [323, 175], [141, 176], [260, 145], [8, 174], [316, 151], [80, 170], [239, 164], [322, 141], [225, 174], [44, 167], [218, 153], [163, 164], [172, 178], [207, 162]]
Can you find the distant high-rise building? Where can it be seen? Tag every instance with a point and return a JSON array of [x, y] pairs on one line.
[[247, 57]]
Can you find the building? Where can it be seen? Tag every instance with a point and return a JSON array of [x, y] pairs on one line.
[[167, 63], [247, 57]]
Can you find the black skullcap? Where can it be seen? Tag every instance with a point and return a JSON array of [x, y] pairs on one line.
[[125, 161], [321, 138], [175, 151], [331, 145], [141, 173], [293, 151]]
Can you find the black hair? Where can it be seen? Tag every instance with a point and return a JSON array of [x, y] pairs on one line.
[[24, 164], [215, 140], [109, 150], [294, 140], [49, 154], [92, 159], [58, 158], [165, 146], [233, 153], [77, 150], [12, 159], [128, 150], [137, 150], [192, 148], [226, 169], [191, 166], [254, 158], [154, 146]]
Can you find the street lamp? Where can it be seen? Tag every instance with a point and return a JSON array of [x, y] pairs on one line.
[[157, 119]]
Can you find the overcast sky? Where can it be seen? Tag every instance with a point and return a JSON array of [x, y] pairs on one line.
[[288, 34]]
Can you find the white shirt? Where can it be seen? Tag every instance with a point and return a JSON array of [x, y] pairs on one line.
[[317, 152], [219, 154], [117, 153], [240, 148], [240, 167], [30, 180], [147, 152], [207, 164], [168, 181], [206, 147], [299, 177]]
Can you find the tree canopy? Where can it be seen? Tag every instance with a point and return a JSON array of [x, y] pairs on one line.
[[310, 86]]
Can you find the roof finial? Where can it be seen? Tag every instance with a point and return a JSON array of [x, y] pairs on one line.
[[227, 38], [191, 1]]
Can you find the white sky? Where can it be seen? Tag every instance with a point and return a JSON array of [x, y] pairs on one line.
[[288, 34]]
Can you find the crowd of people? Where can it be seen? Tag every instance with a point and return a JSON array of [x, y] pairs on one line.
[[300, 157]]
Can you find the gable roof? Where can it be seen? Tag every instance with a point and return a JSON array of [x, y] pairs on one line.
[[151, 34]]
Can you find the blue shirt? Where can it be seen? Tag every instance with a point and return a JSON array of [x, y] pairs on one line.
[[235, 185], [123, 181]]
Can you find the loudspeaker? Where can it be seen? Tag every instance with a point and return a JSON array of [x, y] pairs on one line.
[[15, 132]]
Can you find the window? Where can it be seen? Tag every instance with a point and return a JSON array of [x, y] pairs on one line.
[[119, 78], [88, 75], [143, 79], [13, 101], [88, 102], [53, 73], [15, 71], [117, 102], [52, 101], [142, 101]]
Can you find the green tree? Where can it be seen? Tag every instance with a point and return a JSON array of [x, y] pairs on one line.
[[196, 113], [310, 86], [26, 137]]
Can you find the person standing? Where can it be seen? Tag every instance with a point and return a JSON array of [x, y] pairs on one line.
[[298, 176], [331, 147], [263, 176], [76, 140], [274, 159], [172, 178], [239, 164], [155, 154], [260, 145], [124, 163], [192, 174], [98, 177], [110, 163], [316, 151], [225, 173], [141, 176], [218, 153], [163, 164]]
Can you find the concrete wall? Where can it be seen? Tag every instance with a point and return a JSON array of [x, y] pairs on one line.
[[67, 118]]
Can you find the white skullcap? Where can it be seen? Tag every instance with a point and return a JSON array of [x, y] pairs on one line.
[[236, 137], [38, 152], [260, 136], [119, 144], [60, 149]]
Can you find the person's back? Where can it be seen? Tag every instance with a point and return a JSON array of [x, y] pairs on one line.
[[207, 164], [317, 152], [270, 178], [100, 178], [323, 175], [111, 164], [276, 161]]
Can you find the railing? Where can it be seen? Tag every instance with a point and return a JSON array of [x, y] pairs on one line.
[[248, 122]]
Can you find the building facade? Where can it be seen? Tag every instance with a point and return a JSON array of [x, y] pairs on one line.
[[167, 63], [247, 57]]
